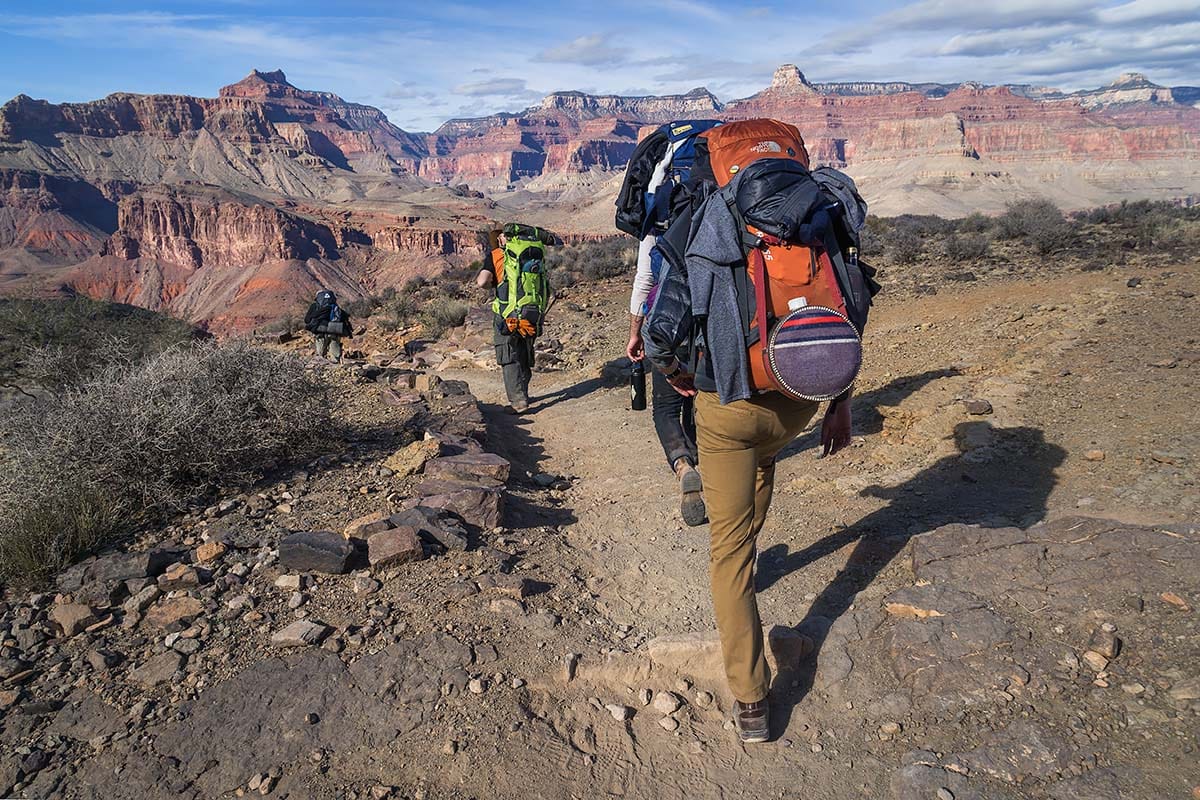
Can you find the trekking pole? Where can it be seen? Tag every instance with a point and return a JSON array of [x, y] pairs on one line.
[[553, 299]]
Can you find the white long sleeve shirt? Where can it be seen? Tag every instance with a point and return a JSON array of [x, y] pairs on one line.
[[643, 279]]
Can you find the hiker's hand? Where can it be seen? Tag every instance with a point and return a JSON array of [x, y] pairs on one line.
[[684, 383], [835, 430], [636, 349]]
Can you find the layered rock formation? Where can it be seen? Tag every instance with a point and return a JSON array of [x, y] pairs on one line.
[[696, 103], [941, 148], [52, 217], [227, 210], [193, 230], [169, 199]]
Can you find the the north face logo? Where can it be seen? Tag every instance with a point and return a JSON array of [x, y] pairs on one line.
[[766, 147]]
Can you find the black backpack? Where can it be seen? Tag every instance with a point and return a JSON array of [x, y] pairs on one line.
[[640, 211], [333, 321]]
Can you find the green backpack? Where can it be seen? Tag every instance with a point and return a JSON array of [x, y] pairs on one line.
[[524, 293]]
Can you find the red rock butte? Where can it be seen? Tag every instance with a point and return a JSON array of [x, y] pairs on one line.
[[226, 210]]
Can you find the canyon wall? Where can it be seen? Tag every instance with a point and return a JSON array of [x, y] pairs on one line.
[[228, 210]]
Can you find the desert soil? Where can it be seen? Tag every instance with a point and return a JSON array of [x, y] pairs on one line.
[[993, 593]]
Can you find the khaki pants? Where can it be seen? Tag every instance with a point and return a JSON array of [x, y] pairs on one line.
[[738, 443]]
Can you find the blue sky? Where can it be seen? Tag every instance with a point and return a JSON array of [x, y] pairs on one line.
[[426, 62]]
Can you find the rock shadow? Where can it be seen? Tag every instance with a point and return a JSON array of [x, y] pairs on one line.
[[1000, 477], [526, 504]]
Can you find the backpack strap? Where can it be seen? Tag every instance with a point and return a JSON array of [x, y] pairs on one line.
[[750, 244], [852, 291], [759, 265]]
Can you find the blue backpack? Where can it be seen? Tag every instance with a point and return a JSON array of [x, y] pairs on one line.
[[641, 211]]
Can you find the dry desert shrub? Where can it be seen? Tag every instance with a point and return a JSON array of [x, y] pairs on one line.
[[904, 246], [596, 260], [967, 246], [442, 313], [1039, 222], [53, 343], [134, 440]]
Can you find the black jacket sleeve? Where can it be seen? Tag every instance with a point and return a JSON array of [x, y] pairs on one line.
[[668, 327], [312, 317]]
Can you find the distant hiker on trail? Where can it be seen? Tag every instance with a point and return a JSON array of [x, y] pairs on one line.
[[523, 298], [328, 323], [764, 283], [658, 189]]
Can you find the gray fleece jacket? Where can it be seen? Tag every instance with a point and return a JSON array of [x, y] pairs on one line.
[[714, 248], [697, 283]]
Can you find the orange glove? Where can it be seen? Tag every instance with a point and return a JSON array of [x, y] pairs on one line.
[[521, 327]]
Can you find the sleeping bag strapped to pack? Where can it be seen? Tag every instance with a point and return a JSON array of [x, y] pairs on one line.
[[523, 292], [333, 319], [659, 170], [793, 290]]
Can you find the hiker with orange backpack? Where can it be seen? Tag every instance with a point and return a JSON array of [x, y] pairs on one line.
[[764, 281]]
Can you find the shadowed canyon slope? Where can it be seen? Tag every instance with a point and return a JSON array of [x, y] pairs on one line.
[[231, 210]]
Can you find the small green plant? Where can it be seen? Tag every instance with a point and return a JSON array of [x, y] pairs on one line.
[[361, 308], [47, 536]]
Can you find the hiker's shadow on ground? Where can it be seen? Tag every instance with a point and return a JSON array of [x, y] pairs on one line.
[[867, 419], [999, 477], [610, 376], [526, 504]]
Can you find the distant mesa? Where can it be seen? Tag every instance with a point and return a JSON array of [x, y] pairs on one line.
[[789, 78], [273, 84], [226, 209]]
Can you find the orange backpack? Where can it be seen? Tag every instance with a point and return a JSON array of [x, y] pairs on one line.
[[778, 271]]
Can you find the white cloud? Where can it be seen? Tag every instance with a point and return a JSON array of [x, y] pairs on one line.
[[1150, 11], [591, 51], [504, 87]]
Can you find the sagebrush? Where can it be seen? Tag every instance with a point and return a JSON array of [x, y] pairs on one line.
[[441, 314], [136, 439], [56, 342]]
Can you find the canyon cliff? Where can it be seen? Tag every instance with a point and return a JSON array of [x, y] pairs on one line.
[[232, 210]]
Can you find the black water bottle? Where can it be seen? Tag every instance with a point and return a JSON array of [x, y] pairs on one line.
[[637, 386]]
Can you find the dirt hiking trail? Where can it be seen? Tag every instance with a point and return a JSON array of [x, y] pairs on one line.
[[993, 594], [987, 407]]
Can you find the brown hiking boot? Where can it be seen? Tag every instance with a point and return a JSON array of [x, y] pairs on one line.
[[691, 501], [753, 721]]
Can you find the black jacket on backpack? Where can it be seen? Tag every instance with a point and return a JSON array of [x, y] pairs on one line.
[[318, 313]]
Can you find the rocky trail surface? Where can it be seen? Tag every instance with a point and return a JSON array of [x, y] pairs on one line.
[[991, 595]]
